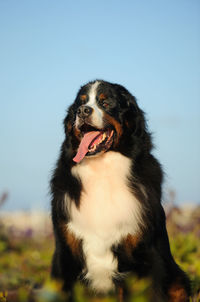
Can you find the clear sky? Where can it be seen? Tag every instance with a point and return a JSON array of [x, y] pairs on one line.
[[48, 49]]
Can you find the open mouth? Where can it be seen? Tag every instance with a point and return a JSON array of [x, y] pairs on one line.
[[101, 142], [93, 142]]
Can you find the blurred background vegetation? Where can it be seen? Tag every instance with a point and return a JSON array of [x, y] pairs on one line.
[[27, 244]]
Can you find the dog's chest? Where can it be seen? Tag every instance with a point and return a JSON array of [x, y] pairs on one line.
[[108, 212]]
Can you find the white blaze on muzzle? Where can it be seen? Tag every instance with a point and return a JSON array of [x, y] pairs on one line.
[[97, 114]]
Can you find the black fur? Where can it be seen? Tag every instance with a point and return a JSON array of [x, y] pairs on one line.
[[151, 257]]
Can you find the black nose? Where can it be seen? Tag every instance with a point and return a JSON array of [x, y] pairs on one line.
[[84, 111]]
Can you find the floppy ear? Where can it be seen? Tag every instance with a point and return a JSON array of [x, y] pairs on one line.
[[134, 117]]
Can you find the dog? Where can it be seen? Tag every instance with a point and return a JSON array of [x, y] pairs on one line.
[[106, 199]]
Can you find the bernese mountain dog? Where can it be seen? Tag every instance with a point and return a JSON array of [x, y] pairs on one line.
[[106, 200]]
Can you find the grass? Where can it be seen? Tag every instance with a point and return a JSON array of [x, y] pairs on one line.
[[25, 263]]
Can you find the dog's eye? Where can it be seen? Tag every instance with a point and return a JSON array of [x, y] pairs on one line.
[[105, 104], [103, 100]]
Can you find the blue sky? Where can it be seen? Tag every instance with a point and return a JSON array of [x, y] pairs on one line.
[[50, 48]]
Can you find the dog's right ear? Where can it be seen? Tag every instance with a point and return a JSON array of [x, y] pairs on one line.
[[69, 120]]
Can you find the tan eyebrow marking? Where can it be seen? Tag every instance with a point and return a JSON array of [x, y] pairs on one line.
[[83, 97], [102, 96]]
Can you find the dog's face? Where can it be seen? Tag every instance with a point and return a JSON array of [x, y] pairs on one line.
[[101, 115]]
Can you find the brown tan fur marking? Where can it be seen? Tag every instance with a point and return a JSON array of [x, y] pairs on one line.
[[129, 243], [120, 294], [102, 96], [69, 126], [83, 97], [71, 240], [116, 125], [77, 133], [177, 293]]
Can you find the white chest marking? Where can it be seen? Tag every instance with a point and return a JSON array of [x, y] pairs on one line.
[[108, 211]]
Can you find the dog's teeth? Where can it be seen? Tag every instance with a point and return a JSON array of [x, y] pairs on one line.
[[93, 148], [103, 138]]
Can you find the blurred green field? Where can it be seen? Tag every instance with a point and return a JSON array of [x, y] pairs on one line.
[[25, 258]]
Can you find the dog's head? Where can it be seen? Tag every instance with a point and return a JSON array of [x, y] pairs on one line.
[[103, 117]]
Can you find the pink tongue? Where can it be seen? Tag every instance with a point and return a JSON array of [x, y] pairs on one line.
[[85, 142]]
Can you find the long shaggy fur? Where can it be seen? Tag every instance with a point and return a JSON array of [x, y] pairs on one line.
[[106, 209]]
